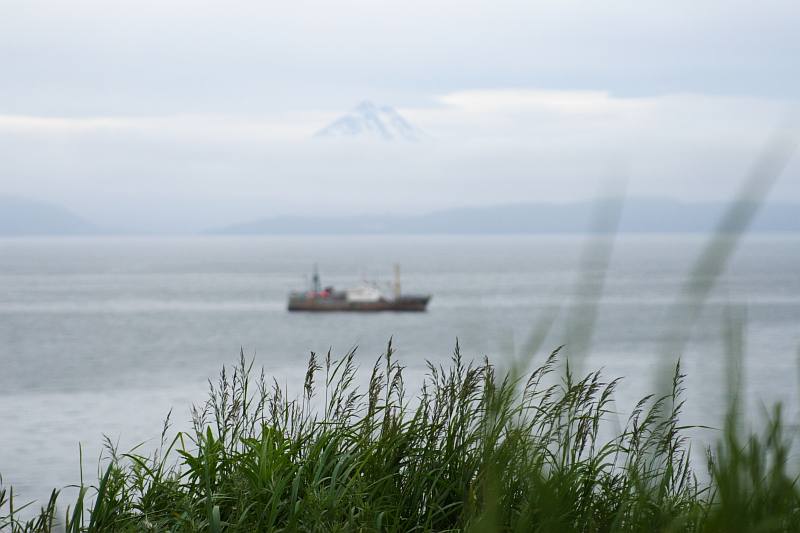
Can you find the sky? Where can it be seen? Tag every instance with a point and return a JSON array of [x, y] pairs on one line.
[[178, 115]]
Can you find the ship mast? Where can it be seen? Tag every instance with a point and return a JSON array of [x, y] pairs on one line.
[[397, 280], [315, 284]]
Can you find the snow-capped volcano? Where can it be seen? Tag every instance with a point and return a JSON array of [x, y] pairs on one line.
[[368, 121]]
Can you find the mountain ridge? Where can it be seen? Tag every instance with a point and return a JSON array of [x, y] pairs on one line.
[[640, 215], [22, 217]]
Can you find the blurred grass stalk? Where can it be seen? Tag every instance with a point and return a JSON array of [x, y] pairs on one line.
[[715, 256]]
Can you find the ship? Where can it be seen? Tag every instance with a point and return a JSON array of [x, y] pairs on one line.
[[363, 298]]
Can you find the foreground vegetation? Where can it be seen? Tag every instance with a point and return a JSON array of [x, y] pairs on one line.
[[473, 451]]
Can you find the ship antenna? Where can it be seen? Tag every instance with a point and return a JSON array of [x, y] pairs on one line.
[[315, 280], [397, 280]]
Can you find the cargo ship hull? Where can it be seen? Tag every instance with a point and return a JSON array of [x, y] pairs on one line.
[[301, 302]]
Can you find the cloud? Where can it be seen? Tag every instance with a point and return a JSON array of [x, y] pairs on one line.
[[91, 58], [520, 100], [599, 118], [181, 128], [511, 114]]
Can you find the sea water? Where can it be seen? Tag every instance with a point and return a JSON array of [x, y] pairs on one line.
[[104, 336]]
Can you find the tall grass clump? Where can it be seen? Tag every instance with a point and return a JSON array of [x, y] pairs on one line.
[[472, 449]]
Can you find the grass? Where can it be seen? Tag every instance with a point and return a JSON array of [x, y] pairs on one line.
[[474, 450]]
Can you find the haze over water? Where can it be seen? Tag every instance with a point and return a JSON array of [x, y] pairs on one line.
[[105, 336]]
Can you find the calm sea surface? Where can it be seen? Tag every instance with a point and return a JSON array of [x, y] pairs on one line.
[[104, 336]]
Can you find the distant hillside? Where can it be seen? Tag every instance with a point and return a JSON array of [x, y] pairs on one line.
[[19, 216], [640, 215]]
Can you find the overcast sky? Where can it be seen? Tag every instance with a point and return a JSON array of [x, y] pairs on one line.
[[180, 115]]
